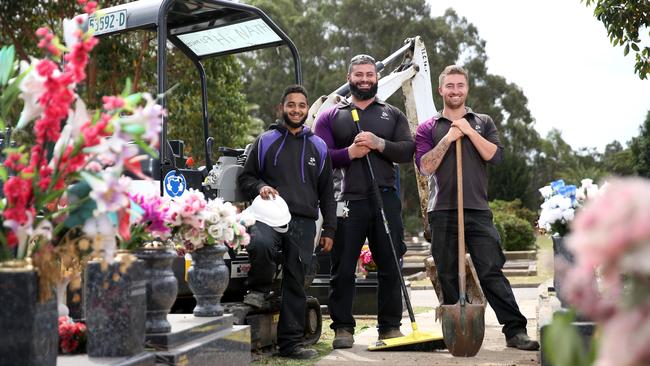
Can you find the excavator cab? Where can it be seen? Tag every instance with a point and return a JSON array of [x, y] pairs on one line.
[[202, 30]]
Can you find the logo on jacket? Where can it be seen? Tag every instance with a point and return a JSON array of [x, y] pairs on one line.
[[384, 115], [312, 161], [478, 128]]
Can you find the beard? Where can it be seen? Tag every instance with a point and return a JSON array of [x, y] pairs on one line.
[[363, 94], [292, 124]]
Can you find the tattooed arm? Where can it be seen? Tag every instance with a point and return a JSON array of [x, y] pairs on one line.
[[430, 161]]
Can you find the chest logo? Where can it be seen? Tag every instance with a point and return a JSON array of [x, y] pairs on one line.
[[477, 128], [312, 161], [384, 115]]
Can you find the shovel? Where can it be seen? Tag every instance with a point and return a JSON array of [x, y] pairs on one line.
[[463, 324]]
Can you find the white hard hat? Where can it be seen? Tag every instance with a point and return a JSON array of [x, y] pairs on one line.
[[273, 212]]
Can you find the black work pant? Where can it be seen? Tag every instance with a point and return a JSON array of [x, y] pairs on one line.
[[364, 221], [297, 248], [483, 244]]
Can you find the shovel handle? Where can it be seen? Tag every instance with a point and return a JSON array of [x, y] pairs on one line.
[[461, 222]]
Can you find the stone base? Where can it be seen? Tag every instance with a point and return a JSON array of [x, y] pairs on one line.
[[186, 328], [365, 299], [142, 359], [229, 346]]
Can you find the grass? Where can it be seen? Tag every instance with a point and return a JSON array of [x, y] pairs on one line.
[[323, 346], [544, 264]]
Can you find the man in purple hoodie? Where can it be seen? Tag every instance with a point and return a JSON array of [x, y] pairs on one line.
[[290, 161], [387, 140]]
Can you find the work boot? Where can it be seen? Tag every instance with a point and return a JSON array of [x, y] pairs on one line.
[[255, 299], [389, 333], [523, 342], [343, 338], [300, 353]]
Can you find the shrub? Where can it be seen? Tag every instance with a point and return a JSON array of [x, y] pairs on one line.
[[514, 208], [516, 233]]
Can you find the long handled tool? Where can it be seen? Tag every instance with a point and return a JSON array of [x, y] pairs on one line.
[[463, 324], [417, 340]]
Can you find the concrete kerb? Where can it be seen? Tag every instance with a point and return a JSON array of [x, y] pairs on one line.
[[493, 351]]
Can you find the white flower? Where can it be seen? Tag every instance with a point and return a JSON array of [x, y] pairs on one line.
[[72, 128], [32, 87], [546, 192]]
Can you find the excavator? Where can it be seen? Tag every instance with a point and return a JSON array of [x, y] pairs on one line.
[[205, 29]]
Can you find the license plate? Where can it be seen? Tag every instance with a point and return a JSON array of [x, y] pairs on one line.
[[108, 22]]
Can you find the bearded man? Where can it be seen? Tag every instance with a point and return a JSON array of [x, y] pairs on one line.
[[386, 138], [289, 161]]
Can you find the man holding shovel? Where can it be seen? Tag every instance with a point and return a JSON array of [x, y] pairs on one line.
[[436, 156], [387, 140]]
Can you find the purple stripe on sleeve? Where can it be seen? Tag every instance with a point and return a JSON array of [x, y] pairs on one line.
[[265, 142], [424, 139], [323, 128]]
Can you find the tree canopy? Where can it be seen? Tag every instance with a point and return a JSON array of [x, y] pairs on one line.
[[624, 19]]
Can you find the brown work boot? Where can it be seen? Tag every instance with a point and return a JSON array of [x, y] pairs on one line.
[[390, 333], [343, 338], [523, 342]]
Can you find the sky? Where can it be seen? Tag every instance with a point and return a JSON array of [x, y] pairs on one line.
[[560, 56]]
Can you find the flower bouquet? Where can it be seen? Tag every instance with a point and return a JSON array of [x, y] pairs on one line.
[[72, 336], [610, 281], [66, 191], [560, 204], [366, 263]]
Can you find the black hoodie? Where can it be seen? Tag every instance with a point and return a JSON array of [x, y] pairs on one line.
[[298, 167]]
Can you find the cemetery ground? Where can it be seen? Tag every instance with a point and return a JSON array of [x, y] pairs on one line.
[[494, 352]]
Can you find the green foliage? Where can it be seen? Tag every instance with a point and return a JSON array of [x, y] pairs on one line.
[[563, 345], [515, 224], [623, 20], [640, 149]]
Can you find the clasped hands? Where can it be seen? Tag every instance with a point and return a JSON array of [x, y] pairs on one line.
[[363, 143], [458, 129]]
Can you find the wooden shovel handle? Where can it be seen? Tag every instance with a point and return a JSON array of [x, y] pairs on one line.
[[461, 222]]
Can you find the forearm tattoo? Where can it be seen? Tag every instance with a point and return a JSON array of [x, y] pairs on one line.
[[430, 161]]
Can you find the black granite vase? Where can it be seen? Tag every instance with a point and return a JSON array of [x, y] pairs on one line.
[[162, 287], [208, 279], [115, 307], [560, 253], [29, 333]]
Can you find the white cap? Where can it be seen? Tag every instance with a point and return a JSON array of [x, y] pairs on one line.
[[273, 212]]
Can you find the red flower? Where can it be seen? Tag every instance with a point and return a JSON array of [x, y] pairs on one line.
[[15, 161]]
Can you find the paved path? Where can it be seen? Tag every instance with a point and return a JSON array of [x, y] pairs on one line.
[[493, 352]]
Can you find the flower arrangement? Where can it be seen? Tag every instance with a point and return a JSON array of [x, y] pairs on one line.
[[366, 263], [610, 281], [66, 192], [196, 222], [560, 204], [72, 336]]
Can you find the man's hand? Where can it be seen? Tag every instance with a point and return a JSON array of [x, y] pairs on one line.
[[268, 192], [370, 140], [463, 125], [326, 243], [356, 151], [454, 133]]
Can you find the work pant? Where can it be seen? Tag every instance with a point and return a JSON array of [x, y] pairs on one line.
[[483, 244], [364, 221], [297, 246]]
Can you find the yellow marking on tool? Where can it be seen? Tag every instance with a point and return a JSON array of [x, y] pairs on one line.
[[355, 115]]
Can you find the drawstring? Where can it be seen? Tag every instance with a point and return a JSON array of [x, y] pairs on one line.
[[275, 160], [302, 158]]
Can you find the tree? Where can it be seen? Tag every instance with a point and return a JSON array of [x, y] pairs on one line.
[[618, 160], [623, 20], [133, 55], [640, 148]]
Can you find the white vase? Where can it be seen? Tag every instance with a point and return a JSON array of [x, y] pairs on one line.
[[61, 292]]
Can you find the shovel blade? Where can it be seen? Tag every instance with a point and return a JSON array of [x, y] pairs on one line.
[[463, 328]]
